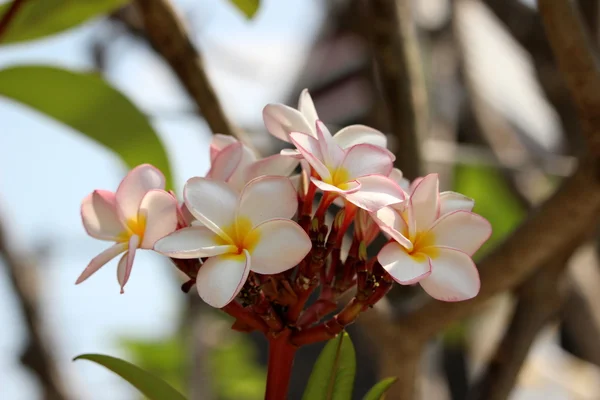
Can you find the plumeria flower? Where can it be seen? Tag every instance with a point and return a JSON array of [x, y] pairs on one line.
[[281, 120], [136, 216], [249, 231], [435, 234], [359, 174], [237, 164]]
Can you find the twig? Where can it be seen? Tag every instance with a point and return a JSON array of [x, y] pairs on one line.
[[9, 16], [37, 355], [401, 78]]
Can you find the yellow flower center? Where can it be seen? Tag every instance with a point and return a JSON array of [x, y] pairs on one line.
[[339, 178], [240, 235], [134, 226], [424, 246]]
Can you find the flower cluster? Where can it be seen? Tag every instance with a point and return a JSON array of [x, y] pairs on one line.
[[250, 239]]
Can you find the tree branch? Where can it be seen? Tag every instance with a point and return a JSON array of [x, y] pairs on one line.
[[9, 16]]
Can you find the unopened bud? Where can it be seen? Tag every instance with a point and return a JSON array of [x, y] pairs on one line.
[[339, 219], [362, 251]]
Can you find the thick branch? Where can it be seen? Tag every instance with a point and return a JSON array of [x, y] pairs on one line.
[[9, 16], [37, 356]]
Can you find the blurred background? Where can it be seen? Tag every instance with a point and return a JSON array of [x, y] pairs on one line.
[[494, 121]]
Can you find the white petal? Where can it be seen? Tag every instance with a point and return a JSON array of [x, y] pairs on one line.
[[238, 178], [126, 262], [350, 187], [281, 120], [211, 202], [268, 197], [376, 191], [310, 150], [454, 277], [357, 134], [218, 143], [101, 259], [404, 268], [159, 210], [282, 245], [100, 216], [367, 159], [291, 153], [452, 201], [192, 242], [226, 162], [276, 165], [424, 202], [134, 187], [332, 153], [307, 107], [392, 223], [397, 176], [221, 278], [461, 230]]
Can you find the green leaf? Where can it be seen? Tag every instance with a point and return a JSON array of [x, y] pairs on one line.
[[38, 18], [332, 377], [248, 7], [149, 385], [377, 392], [85, 102]]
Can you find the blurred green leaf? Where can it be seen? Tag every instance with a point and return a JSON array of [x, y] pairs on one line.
[[85, 102], [332, 377], [377, 392], [151, 386], [248, 7], [36, 19]]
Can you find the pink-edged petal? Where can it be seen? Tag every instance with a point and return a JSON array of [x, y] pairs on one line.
[[134, 187], [280, 120], [307, 107], [397, 176], [461, 230], [126, 262], [225, 162], [238, 178], [282, 244], [218, 143], [454, 276], [268, 197], [424, 202], [221, 278], [357, 134], [192, 242], [376, 191], [100, 216], [392, 223], [452, 201], [310, 150], [404, 268], [349, 187], [276, 165], [211, 202], [291, 153], [101, 259], [332, 153], [159, 210], [367, 159]]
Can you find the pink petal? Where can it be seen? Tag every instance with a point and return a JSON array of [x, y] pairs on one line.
[[367, 159], [454, 277], [100, 216], [392, 223], [351, 187], [282, 245], [134, 187], [404, 268], [213, 203], [281, 120], [192, 242], [307, 107], [218, 143], [397, 176], [310, 150], [126, 262], [332, 154], [225, 162], [424, 202], [238, 178], [461, 230], [357, 134], [376, 191], [159, 210], [268, 197], [101, 259], [277, 165], [291, 153], [221, 278], [452, 201]]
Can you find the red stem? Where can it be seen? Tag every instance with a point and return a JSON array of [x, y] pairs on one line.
[[281, 360], [10, 15], [236, 310]]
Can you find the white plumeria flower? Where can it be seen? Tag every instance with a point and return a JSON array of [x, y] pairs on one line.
[[281, 120], [435, 236], [359, 173], [136, 216], [236, 164], [249, 231]]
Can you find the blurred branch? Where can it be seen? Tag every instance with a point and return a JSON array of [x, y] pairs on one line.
[[9, 16], [37, 355], [168, 36], [401, 78]]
